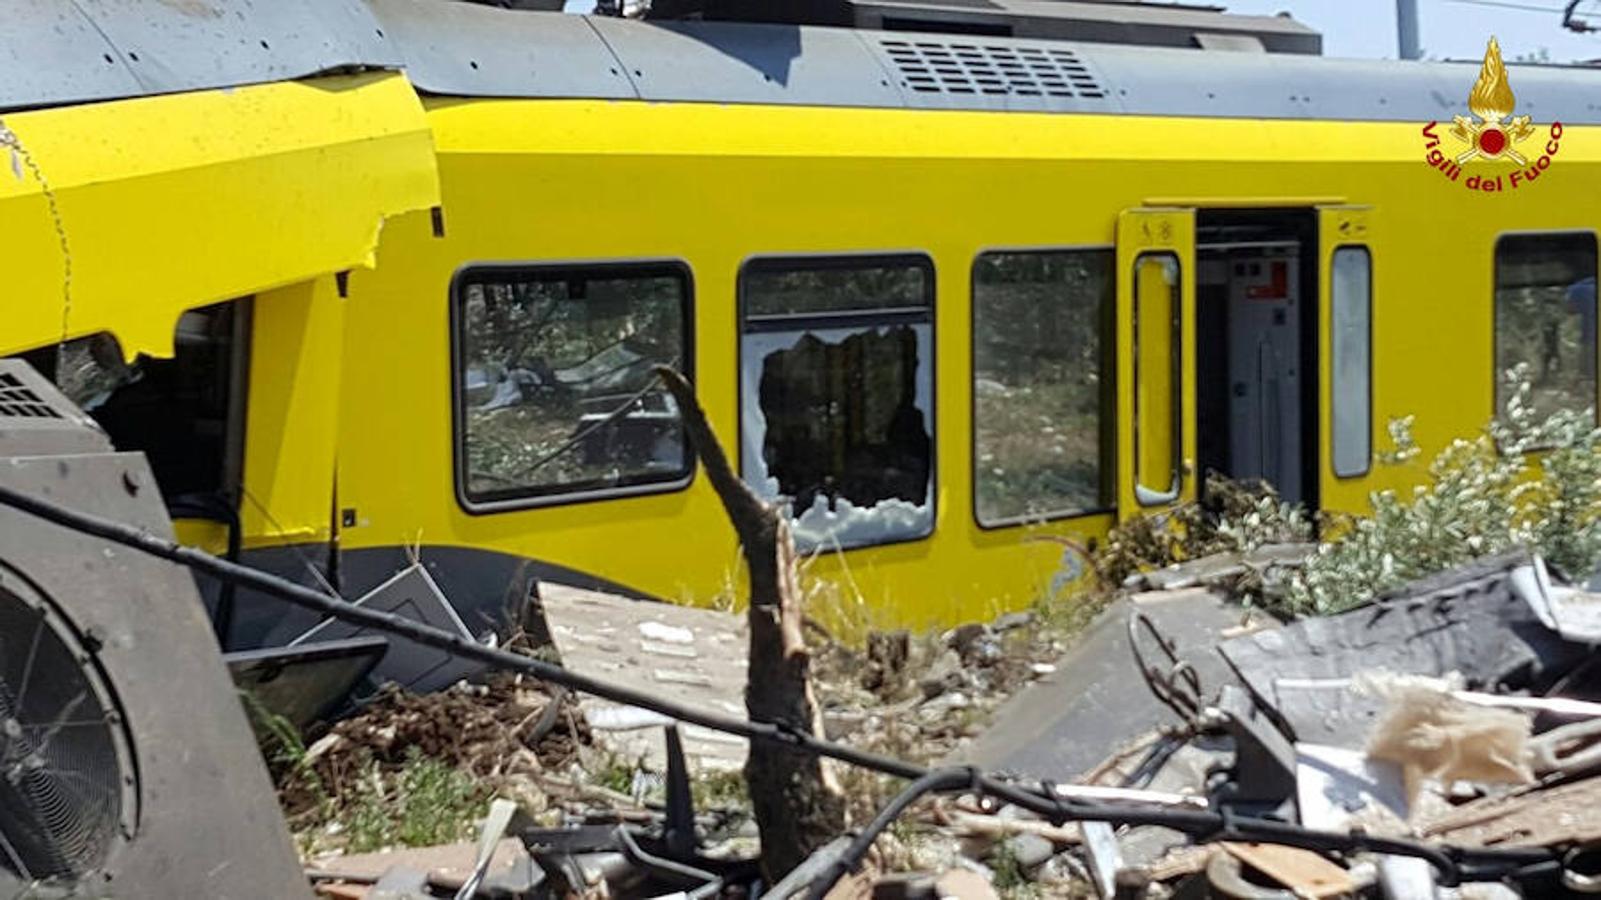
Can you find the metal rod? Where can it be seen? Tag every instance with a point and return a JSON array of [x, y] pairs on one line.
[[1406, 28]]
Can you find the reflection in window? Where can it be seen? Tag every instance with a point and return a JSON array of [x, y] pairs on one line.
[[554, 379], [836, 395], [1545, 317], [1041, 406], [1352, 301]]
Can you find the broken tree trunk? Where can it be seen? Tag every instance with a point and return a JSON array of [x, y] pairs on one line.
[[798, 804]]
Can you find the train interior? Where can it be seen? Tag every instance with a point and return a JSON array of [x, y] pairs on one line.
[[1256, 348], [185, 413]]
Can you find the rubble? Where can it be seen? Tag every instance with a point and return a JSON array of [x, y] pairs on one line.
[[1425, 715], [1475, 620]]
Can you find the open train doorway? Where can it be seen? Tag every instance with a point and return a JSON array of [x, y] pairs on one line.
[[1256, 348]]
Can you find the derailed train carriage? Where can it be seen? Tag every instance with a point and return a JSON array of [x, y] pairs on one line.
[[373, 279]]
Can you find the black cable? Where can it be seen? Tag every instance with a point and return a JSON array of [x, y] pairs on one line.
[[937, 781], [1454, 865], [637, 855], [456, 645], [215, 507]]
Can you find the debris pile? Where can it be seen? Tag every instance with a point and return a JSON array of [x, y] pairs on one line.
[[507, 725], [1436, 737], [924, 696], [1458, 710]]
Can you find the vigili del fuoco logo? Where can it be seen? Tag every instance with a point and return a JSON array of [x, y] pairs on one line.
[[1489, 136]]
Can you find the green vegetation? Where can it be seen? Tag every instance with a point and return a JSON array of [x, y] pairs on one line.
[[1011, 880], [421, 803], [1233, 516], [1524, 481], [720, 789], [1529, 479], [424, 803]]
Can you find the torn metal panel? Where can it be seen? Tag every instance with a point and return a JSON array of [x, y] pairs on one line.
[[1334, 786], [1471, 620], [691, 655], [1100, 845], [1262, 776], [305, 683], [61, 52], [1095, 700], [299, 176], [413, 594], [1574, 614]]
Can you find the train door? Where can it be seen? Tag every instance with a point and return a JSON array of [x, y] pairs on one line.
[[1155, 359], [1345, 310], [1257, 326]]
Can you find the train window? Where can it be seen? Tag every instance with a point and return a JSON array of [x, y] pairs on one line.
[[1545, 318], [555, 397], [836, 395], [1042, 404], [1158, 378], [1352, 300]]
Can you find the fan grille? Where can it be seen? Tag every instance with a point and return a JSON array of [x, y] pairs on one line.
[[64, 765]]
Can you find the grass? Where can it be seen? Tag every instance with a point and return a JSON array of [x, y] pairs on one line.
[[1011, 878], [421, 803], [614, 772], [424, 803], [720, 789]]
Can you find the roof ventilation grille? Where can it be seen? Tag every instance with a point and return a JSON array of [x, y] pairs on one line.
[[934, 67]]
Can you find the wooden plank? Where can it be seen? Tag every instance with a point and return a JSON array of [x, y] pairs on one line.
[[1302, 871], [1570, 814]]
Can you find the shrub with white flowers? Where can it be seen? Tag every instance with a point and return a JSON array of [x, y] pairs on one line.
[[1525, 481]]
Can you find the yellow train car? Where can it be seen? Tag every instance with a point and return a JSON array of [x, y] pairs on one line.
[[943, 297]]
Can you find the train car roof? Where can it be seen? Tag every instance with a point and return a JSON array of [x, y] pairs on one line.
[[54, 53], [73, 53]]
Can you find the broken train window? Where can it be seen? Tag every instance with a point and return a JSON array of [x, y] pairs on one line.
[[836, 395], [186, 413], [1042, 404], [554, 390], [1545, 317]]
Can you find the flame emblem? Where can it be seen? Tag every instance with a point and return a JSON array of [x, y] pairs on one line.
[[1491, 101]]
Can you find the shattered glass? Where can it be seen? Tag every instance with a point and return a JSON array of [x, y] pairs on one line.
[[837, 400]]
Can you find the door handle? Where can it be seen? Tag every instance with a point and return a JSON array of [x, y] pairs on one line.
[[1148, 497]]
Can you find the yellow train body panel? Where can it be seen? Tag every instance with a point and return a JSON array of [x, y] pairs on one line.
[[713, 186], [329, 220], [168, 203]]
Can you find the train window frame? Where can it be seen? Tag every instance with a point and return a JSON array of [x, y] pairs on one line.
[[1178, 363], [756, 263], [1367, 465], [473, 273], [1108, 398], [1496, 374]]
